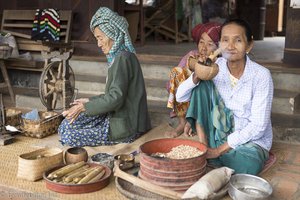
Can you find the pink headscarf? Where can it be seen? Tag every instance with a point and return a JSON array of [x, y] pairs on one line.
[[211, 28]]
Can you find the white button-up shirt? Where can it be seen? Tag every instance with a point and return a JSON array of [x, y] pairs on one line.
[[250, 100]]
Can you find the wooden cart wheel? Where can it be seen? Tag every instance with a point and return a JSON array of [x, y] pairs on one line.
[[56, 90]]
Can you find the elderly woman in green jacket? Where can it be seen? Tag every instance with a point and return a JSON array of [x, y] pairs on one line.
[[121, 113]]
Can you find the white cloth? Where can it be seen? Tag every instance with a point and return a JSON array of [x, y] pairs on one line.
[[209, 184], [250, 100]]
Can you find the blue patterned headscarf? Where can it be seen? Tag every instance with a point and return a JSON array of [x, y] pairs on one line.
[[115, 27]]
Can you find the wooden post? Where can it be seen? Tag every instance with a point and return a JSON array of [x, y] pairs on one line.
[[292, 37], [6, 81]]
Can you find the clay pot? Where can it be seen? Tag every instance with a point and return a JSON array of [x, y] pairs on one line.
[[75, 154], [176, 174]]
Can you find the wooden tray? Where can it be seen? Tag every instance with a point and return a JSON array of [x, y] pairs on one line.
[[136, 193], [78, 188]]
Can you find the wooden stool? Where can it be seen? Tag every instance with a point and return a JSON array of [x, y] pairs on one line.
[[6, 83]]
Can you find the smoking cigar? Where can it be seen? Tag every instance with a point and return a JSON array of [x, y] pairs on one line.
[[211, 57]]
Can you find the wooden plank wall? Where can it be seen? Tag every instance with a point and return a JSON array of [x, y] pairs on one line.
[[83, 11]]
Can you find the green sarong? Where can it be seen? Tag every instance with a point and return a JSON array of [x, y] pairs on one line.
[[208, 109]]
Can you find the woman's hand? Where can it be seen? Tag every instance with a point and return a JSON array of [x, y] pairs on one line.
[[196, 80], [191, 61], [212, 153], [216, 152], [188, 131], [72, 113], [201, 59], [81, 100]]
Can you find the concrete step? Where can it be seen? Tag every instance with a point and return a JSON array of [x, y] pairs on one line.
[[286, 102], [28, 98], [284, 76], [88, 84], [286, 128], [93, 68]]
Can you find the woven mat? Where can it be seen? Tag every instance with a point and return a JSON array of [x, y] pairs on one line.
[[37, 190]]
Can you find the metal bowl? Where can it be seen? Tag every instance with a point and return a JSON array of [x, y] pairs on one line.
[[103, 159], [126, 161], [249, 187]]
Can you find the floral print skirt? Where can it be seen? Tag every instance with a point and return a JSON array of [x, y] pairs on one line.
[[177, 76], [88, 131]]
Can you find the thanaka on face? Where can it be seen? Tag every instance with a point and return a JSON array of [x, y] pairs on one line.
[[104, 42], [206, 46], [234, 43]]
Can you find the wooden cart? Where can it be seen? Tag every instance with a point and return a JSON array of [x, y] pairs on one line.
[[57, 82]]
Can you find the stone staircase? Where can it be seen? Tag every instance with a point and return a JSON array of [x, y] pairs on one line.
[[286, 103], [90, 80]]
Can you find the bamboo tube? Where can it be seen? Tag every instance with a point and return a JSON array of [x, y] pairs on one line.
[[98, 177], [69, 177], [67, 170], [79, 177], [91, 175], [51, 175]]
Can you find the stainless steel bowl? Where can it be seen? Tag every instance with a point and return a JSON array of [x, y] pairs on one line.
[[103, 159], [249, 187], [126, 161]]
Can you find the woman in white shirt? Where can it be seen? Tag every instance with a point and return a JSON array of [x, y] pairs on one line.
[[231, 113]]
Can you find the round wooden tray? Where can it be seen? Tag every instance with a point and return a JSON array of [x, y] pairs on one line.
[[78, 188]]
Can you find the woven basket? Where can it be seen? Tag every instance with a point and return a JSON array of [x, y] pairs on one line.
[[5, 51], [47, 125], [13, 116], [32, 165]]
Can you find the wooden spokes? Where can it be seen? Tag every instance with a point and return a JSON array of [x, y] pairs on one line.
[[57, 86]]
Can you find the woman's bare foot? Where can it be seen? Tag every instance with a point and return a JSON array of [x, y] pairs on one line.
[[178, 130]]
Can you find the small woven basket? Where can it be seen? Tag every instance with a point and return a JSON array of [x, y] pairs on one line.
[[32, 165], [13, 116], [47, 125], [5, 51]]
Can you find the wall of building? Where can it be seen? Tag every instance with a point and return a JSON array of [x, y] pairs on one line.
[[83, 11], [292, 41]]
